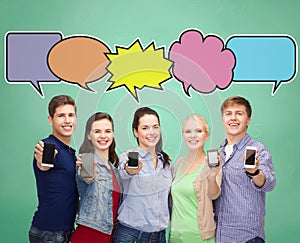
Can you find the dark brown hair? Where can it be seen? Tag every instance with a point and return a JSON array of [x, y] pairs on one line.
[[87, 146], [237, 100], [135, 124], [59, 100]]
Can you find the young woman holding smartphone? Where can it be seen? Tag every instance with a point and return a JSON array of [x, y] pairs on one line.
[[194, 187], [100, 194], [144, 214]]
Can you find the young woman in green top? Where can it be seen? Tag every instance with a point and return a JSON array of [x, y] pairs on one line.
[[194, 187]]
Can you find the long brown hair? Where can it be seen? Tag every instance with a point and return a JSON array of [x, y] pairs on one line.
[[135, 124], [87, 146]]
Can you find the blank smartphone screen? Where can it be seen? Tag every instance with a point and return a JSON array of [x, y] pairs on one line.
[[133, 159], [250, 157], [48, 154], [212, 157]]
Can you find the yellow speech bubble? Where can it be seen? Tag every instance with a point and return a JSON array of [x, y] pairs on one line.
[[135, 68]]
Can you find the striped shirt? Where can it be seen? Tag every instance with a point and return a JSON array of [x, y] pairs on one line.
[[240, 209]]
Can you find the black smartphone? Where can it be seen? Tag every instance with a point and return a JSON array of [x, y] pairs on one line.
[[48, 155], [212, 156], [250, 155], [87, 166], [133, 160]]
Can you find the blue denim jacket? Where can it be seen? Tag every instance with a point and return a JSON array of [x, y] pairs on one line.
[[96, 199]]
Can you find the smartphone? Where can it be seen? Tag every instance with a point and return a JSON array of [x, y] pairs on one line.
[[87, 166], [133, 160], [250, 156], [48, 155], [212, 156]]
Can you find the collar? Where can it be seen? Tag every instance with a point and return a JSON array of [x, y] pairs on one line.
[[60, 143], [143, 153], [240, 144]]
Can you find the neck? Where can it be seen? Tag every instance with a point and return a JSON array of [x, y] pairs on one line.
[[233, 139], [102, 154], [65, 140], [150, 150], [196, 155]]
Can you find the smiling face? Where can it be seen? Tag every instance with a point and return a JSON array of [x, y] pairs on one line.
[[194, 133], [236, 121], [101, 135], [63, 123], [148, 132]]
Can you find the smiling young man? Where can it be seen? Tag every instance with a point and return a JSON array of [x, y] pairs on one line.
[[240, 209], [56, 186]]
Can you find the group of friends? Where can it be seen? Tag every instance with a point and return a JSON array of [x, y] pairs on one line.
[[118, 203]]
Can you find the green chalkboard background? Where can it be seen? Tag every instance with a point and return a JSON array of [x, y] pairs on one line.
[[23, 120]]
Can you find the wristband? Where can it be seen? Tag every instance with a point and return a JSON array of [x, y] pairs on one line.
[[252, 174]]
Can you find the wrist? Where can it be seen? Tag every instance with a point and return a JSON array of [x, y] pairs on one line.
[[251, 175]]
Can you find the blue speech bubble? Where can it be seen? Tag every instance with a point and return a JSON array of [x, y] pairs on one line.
[[264, 59], [26, 58]]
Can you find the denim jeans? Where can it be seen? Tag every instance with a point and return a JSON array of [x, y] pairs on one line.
[[41, 236], [125, 234], [256, 240]]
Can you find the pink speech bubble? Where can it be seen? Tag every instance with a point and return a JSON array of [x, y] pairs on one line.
[[202, 63]]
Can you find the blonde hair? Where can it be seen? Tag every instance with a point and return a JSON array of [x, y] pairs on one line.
[[200, 119]]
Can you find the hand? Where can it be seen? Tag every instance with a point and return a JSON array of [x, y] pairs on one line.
[[133, 171], [38, 155]]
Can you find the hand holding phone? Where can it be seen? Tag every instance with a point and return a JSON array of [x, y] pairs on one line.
[[212, 156], [87, 166], [250, 157], [133, 160], [48, 155]]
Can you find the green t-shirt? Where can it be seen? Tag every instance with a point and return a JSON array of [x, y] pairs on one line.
[[184, 221]]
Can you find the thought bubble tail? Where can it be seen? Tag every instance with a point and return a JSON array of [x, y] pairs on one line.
[[186, 87], [36, 85], [275, 87]]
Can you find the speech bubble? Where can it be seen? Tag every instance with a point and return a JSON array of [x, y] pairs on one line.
[[201, 63], [26, 58], [136, 68], [79, 60], [264, 59]]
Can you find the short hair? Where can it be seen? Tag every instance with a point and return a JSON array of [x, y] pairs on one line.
[[59, 100], [237, 100]]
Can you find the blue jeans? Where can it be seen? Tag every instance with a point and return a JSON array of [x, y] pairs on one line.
[[256, 240], [125, 234], [41, 236]]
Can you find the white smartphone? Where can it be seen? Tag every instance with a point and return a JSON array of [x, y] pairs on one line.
[[212, 156], [250, 157], [48, 155], [133, 160], [87, 166]]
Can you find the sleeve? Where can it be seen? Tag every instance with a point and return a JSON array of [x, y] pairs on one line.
[[82, 185]]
